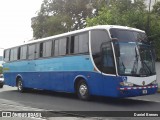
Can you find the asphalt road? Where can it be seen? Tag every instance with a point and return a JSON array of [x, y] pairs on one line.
[[36, 100]]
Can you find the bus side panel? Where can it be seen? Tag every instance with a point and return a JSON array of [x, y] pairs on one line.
[[9, 79], [102, 85], [111, 84], [48, 73]]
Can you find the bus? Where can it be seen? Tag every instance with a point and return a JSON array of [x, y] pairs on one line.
[[104, 60]]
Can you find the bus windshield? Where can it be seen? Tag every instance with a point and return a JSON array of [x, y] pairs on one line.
[[135, 61], [136, 58]]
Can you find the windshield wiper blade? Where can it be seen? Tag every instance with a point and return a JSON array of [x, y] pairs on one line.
[[150, 72], [135, 65]]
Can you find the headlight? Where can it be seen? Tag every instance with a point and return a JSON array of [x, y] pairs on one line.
[[1, 79], [126, 84]]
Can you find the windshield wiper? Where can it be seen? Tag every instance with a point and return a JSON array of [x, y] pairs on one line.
[[150, 72], [135, 65]]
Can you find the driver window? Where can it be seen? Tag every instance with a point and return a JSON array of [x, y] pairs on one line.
[[108, 59]]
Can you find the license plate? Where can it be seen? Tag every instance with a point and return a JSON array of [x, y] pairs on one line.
[[144, 91]]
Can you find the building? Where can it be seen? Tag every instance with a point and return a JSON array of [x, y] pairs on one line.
[[150, 3]]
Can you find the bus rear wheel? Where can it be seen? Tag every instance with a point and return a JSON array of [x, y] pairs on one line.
[[20, 86], [82, 90]]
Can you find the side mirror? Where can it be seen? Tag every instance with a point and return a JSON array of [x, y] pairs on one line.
[[116, 47]]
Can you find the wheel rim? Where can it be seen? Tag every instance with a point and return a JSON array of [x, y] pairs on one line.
[[19, 85], [83, 90]]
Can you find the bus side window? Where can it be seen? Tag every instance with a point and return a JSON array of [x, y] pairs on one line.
[[19, 52], [7, 55], [56, 50], [41, 50], [62, 46], [108, 59], [47, 49], [31, 51], [37, 50], [23, 52], [14, 54], [67, 46], [74, 47], [83, 43]]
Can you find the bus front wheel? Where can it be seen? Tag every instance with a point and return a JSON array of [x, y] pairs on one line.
[[20, 85], [82, 90]]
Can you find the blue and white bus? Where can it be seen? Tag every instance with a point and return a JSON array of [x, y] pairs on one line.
[[105, 60]]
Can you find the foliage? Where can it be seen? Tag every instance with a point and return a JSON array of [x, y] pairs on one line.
[[121, 12], [155, 28], [1, 70], [58, 16]]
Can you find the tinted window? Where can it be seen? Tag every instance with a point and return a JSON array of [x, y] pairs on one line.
[[19, 50], [31, 51], [62, 46], [41, 50], [37, 50], [97, 38], [56, 45], [23, 52], [14, 54], [6, 55], [74, 47], [47, 49], [83, 43], [79, 43], [108, 59], [128, 35]]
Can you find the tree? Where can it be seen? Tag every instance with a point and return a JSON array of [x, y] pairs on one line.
[[121, 12], [155, 28], [57, 16], [156, 9], [1, 70]]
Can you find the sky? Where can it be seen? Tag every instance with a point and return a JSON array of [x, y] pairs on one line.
[[15, 21]]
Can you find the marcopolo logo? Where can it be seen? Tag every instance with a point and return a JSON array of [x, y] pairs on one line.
[[143, 83], [124, 79]]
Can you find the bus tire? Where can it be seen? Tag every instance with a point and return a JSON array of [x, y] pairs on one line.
[[1, 86], [20, 86], [82, 90]]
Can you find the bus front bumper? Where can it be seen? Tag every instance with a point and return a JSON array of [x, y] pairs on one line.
[[137, 91]]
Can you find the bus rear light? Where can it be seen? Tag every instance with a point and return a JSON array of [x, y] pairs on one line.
[[126, 84]]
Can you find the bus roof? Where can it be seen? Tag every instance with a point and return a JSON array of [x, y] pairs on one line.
[[107, 27]]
